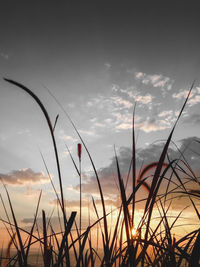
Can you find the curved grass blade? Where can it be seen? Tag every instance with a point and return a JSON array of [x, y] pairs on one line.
[[35, 97]]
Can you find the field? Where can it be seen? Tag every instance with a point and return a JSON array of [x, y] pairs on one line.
[[116, 237]]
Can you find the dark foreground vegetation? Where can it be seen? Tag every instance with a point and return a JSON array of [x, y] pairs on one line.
[[147, 246]]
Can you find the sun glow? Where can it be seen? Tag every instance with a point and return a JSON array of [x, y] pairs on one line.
[[133, 232]]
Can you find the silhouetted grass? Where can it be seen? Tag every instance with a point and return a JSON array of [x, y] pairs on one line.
[[149, 246]]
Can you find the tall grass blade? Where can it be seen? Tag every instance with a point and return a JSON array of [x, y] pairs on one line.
[[51, 131], [133, 167]]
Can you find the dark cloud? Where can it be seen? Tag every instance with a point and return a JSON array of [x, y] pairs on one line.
[[108, 177], [189, 148], [24, 176]]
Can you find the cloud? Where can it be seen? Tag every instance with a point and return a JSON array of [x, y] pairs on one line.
[[120, 108], [115, 87], [93, 102], [156, 80], [107, 65], [139, 75], [108, 175], [133, 94], [168, 117], [194, 100], [114, 110], [117, 105], [153, 125], [188, 146], [87, 133], [124, 121], [24, 176], [108, 111], [65, 137], [194, 97], [124, 126], [148, 125], [181, 94], [143, 99], [165, 113], [119, 101]]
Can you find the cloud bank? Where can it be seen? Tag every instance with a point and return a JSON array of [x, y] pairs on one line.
[[24, 176], [108, 177]]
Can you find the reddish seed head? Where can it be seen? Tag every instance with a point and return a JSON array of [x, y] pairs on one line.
[[79, 150]]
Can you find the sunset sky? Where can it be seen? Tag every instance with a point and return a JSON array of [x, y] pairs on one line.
[[97, 59]]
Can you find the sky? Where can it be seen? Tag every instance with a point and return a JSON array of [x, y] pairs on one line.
[[98, 59]]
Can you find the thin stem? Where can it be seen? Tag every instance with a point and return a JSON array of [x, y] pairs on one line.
[[80, 195]]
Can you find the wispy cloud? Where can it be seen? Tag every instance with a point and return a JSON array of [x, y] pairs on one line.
[[113, 110], [24, 176], [194, 97], [133, 94], [124, 121], [182, 94], [165, 113], [65, 137], [124, 126], [119, 106], [87, 133], [195, 100], [120, 102], [107, 65], [143, 99], [153, 125], [156, 80], [147, 125]]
